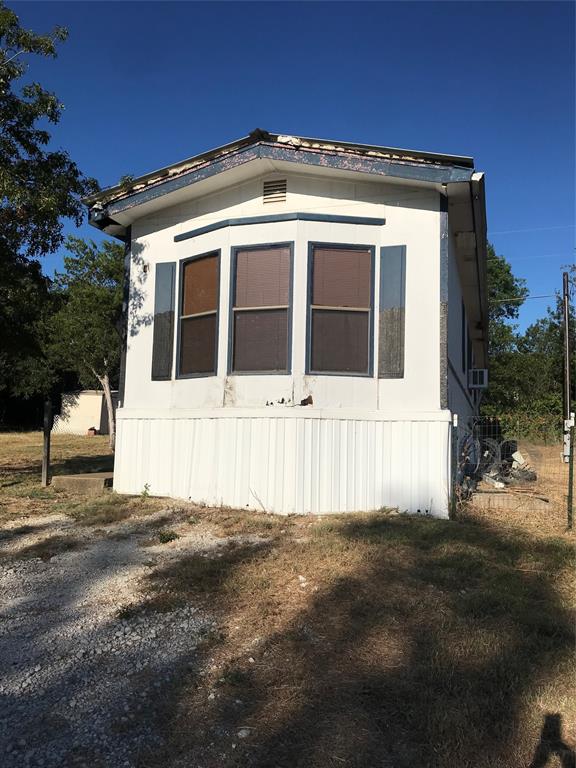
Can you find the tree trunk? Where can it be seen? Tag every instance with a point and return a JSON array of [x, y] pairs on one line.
[[105, 382]]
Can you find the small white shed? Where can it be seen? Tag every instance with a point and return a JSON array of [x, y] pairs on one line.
[[83, 410]]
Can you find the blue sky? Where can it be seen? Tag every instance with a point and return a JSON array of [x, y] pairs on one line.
[[147, 84]]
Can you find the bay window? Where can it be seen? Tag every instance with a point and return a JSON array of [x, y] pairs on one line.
[[198, 333], [261, 309], [340, 309]]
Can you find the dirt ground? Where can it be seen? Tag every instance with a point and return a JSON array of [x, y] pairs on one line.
[[145, 632]]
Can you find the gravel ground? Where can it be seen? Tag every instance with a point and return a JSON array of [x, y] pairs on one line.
[[79, 685]]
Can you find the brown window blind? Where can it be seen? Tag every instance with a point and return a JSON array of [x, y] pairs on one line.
[[261, 309], [197, 347], [340, 311], [200, 289], [261, 340], [339, 341], [262, 277], [341, 278], [199, 316]]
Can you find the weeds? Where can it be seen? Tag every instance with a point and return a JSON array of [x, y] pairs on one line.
[[166, 536]]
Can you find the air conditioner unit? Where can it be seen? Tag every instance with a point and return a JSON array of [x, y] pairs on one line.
[[478, 378]]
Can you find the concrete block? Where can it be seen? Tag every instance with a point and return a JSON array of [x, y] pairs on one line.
[[510, 500], [91, 484]]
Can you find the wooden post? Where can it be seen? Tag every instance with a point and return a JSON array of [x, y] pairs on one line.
[[46, 451], [567, 365], [571, 480]]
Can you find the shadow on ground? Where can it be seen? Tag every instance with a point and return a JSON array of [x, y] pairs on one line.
[[431, 644]]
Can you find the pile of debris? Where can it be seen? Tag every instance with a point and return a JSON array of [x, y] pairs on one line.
[[508, 468], [497, 463]]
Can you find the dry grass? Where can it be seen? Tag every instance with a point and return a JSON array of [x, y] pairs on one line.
[[375, 640], [358, 640], [551, 484], [20, 472], [21, 465]]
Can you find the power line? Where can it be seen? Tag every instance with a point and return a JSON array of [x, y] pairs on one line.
[[537, 256], [523, 298], [532, 229]]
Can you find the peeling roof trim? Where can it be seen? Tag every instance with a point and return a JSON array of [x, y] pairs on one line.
[[314, 157], [344, 150]]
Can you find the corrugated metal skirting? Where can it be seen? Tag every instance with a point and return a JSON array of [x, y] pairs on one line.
[[288, 465]]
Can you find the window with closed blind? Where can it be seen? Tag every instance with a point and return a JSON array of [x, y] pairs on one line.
[[198, 332], [260, 322], [340, 307]]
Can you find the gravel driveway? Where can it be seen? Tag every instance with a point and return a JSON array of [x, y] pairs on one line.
[[84, 681]]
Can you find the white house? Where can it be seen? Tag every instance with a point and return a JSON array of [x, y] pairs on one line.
[[303, 317]]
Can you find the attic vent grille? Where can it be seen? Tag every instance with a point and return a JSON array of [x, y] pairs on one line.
[[274, 191]]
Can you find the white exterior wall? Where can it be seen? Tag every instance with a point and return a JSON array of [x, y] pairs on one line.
[[411, 219], [364, 443]]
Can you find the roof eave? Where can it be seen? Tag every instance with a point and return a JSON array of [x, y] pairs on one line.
[[259, 135], [239, 153]]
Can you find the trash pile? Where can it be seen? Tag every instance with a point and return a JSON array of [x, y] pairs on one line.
[[507, 467], [499, 464]]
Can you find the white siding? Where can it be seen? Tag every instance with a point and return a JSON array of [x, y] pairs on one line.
[[288, 461]]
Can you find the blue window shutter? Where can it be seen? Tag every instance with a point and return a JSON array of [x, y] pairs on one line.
[[392, 310], [163, 343]]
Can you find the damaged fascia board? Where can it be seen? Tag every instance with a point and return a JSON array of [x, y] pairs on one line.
[[394, 153], [312, 158], [346, 149]]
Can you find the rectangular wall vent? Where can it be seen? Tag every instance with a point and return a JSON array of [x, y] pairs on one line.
[[274, 191], [477, 378]]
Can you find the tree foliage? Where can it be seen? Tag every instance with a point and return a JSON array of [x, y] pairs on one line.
[[39, 187], [526, 369], [85, 332]]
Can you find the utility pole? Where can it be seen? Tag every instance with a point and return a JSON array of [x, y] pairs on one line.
[[567, 404]]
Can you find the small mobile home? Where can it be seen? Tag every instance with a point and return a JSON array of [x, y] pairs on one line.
[[305, 320]]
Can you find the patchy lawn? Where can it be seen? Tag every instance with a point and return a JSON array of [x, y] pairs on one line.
[[353, 640]]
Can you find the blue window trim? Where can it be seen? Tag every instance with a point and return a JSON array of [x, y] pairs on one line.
[[280, 217], [343, 246], [205, 374], [233, 263]]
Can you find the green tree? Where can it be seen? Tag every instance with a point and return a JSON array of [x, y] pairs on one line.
[[526, 370], [506, 294], [39, 187], [544, 342], [84, 333]]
